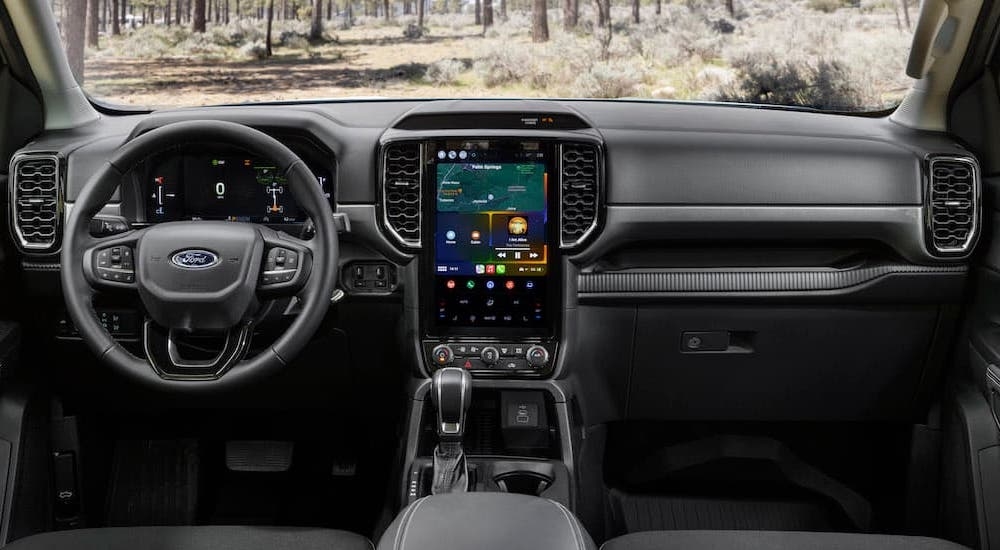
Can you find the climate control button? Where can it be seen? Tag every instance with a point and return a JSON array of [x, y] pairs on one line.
[[537, 356], [443, 355], [489, 355]]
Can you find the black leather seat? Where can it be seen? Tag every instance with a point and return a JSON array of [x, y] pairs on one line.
[[771, 540], [194, 538], [485, 521]]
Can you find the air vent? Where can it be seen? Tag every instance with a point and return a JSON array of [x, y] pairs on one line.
[[35, 200], [953, 204], [401, 191], [580, 168]]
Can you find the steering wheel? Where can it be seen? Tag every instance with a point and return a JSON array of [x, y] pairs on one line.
[[198, 276]]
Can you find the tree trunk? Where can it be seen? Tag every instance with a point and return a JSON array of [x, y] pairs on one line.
[[270, 22], [198, 17], [178, 9], [487, 14], [316, 28], [116, 27], [540, 22], [906, 12], [479, 12], [659, 7], [602, 16], [420, 13], [74, 29], [503, 9], [93, 22], [385, 8], [635, 11], [731, 8], [570, 14]]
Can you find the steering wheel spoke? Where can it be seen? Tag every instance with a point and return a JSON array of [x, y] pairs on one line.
[[163, 351], [286, 266], [109, 262]]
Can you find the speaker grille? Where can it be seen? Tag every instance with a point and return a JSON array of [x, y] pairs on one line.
[[401, 185], [953, 204], [35, 202], [579, 188]]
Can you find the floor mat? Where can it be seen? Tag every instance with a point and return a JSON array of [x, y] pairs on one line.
[[649, 513], [306, 494], [153, 482]]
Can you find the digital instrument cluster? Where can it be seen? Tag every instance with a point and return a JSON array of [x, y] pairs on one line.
[[232, 187]]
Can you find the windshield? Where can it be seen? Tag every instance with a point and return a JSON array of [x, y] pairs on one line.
[[838, 55]]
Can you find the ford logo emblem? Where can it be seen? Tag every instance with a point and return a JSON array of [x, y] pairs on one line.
[[194, 259]]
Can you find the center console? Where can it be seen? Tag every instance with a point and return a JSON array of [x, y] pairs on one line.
[[490, 283], [487, 220]]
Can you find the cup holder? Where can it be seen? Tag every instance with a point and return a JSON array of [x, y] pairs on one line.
[[523, 483]]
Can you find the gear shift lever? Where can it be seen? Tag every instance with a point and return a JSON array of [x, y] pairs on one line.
[[451, 392]]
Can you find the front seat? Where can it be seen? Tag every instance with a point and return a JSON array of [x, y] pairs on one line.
[[194, 538], [772, 540]]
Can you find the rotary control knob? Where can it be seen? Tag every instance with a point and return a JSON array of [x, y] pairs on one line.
[[537, 356], [490, 355], [442, 355]]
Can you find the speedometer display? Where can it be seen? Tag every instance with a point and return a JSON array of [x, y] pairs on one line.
[[223, 187]]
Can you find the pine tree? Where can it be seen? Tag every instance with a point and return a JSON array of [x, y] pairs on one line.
[[540, 21]]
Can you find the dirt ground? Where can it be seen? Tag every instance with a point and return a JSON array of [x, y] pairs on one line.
[[361, 62]]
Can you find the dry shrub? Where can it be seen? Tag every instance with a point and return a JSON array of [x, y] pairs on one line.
[[825, 84], [607, 80], [503, 67], [444, 72], [254, 50], [827, 6]]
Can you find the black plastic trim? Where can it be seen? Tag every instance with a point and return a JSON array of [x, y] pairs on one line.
[[748, 280]]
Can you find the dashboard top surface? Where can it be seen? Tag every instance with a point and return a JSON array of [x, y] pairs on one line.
[[353, 130]]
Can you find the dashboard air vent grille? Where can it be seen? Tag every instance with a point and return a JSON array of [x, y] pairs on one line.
[[579, 191], [401, 191], [953, 206], [35, 200]]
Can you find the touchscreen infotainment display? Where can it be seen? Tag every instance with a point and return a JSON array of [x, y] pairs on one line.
[[491, 247]]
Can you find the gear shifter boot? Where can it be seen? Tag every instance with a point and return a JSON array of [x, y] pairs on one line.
[[451, 473]]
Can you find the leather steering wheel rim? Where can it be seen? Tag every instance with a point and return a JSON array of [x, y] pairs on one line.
[[314, 296]]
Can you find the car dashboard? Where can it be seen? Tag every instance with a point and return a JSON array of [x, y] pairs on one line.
[[642, 249]]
